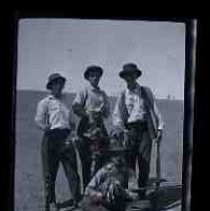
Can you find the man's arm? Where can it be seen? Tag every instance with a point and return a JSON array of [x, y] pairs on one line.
[[105, 110], [93, 189], [117, 118], [161, 123], [155, 113], [79, 104], [72, 120], [41, 117]]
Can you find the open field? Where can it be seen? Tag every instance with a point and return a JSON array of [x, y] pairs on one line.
[[28, 174]]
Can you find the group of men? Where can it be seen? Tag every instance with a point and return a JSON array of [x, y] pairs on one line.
[[136, 122]]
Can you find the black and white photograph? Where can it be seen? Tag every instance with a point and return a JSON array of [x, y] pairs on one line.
[[100, 117]]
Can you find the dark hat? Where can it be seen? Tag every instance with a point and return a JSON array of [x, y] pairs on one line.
[[54, 77], [130, 68], [118, 154], [93, 68]]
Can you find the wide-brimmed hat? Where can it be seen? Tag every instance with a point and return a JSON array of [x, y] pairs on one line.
[[53, 77], [93, 68], [128, 69]]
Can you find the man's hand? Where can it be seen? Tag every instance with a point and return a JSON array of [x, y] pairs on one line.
[[159, 135], [79, 110], [99, 195], [104, 111], [97, 198]]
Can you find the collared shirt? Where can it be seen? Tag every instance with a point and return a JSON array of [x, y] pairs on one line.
[[53, 113], [91, 98], [130, 107]]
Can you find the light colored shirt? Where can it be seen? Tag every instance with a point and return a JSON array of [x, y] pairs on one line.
[[105, 177], [134, 104], [89, 99], [130, 107], [54, 113]]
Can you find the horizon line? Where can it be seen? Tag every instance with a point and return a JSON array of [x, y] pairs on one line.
[[39, 90]]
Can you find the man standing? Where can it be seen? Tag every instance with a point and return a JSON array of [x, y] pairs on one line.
[[54, 118], [92, 106], [137, 116]]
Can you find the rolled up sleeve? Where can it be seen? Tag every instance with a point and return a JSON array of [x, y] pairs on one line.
[[157, 113], [79, 103], [41, 115], [161, 123]]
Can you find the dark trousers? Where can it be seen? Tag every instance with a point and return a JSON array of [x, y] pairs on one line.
[[138, 140], [54, 151], [90, 163]]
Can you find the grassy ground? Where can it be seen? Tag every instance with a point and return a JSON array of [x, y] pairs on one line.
[[28, 174]]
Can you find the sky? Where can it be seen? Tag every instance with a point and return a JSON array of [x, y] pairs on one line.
[[69, 46]]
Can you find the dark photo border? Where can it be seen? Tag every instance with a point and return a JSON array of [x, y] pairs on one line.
[[193, 121]]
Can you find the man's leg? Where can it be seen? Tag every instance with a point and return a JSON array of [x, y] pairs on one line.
[[85, 157], [144, 161], [69, 162], [132, 144], [50, 164], [143, 171]]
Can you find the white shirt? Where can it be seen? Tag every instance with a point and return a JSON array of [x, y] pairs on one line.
[[130, 107], [134, 104], [91, 98], [54, 113]]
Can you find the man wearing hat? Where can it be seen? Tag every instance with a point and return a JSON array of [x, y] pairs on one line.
[[107, 190], [137, 116], [92, 106], [54, 117]]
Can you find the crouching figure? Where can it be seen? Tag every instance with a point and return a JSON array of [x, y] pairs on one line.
[[107, 190]]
